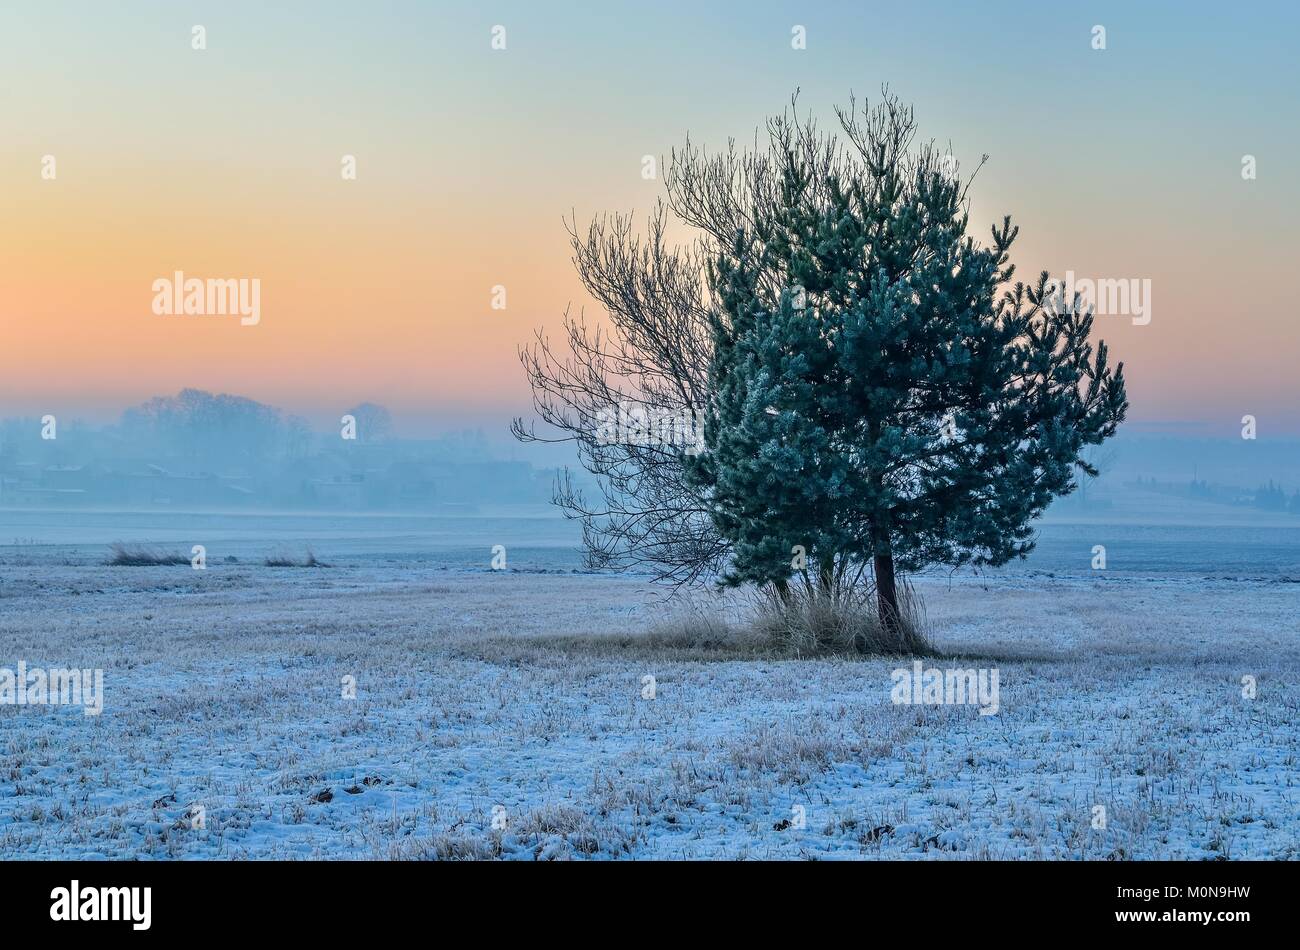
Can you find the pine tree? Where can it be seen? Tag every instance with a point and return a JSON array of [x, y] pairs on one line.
[[882, 394]]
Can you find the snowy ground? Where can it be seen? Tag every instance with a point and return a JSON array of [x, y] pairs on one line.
[[514, 699]]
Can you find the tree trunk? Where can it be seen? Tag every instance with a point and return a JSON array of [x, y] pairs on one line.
[[887, 593], [827, 576]]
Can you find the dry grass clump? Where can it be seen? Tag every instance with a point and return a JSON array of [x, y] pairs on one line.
[[815, 623], [281, 559], [803, 623], [125, 555]]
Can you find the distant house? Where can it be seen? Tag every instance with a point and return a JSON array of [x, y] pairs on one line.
[[348, 492], [415, 484], [69, 476]]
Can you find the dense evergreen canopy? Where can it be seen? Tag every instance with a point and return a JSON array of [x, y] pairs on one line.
[[892, 399]]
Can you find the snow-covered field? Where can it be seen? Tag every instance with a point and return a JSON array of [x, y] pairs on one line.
[[501, 714]]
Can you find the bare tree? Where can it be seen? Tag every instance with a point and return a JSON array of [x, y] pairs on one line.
[[374, 422], [652, 360]]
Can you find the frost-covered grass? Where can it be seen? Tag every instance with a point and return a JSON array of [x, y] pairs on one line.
[[501, 714], [285, 559], [124, 555]]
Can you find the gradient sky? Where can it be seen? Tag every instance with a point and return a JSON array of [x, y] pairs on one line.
[[225, 163]]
